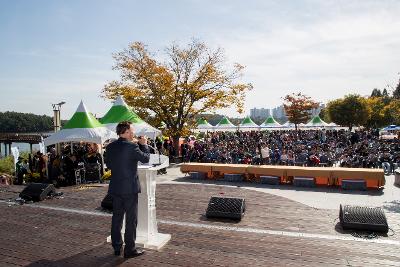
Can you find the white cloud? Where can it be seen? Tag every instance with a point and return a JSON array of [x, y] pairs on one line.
[[325, 49], [338, 53]]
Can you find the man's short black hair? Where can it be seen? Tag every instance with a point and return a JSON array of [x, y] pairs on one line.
[[123, 126]]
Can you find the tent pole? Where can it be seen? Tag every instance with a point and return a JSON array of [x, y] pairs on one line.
[[47, 168], [102, 156], [154, 142]]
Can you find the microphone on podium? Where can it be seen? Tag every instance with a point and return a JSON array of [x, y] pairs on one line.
[[158, 152], [159, 156]]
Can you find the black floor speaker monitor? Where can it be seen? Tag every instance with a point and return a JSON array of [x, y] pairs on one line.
[[363, 218], [107, 203], [226, 207], [37, 191]]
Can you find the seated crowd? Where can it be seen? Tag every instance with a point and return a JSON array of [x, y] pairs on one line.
[[359, 149], [84, 157], [84, 160]]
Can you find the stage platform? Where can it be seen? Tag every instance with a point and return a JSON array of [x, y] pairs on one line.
[[275, 231]]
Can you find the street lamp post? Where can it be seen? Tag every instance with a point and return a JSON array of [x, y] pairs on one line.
[[57, 121]]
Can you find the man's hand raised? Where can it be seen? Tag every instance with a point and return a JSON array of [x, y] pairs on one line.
[[142, 140]]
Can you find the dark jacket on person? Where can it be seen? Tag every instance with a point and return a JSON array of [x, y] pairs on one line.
[[122, 158]]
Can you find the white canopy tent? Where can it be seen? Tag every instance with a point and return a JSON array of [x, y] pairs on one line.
[[271, 123], [288, 125], [316, 122], [120, 111], [203, 125], [248, 125], [82, 127], [225, 125]]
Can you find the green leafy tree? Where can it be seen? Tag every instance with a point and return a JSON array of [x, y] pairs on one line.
[[376, 93], [396, 92], [15, 122], [352, 110], [385, 93], [324, 115]]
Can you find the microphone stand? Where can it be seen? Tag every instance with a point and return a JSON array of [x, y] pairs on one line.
[[159, 155]]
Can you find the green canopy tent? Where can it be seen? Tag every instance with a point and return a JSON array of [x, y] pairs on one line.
[[120, 111], [82, 127], [203, 125], [225, 125], [316, 122], [270, 123], [248, 124]]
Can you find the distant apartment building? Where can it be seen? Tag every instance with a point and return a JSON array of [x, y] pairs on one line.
[[260, 113], [278, 112], [316, 111]]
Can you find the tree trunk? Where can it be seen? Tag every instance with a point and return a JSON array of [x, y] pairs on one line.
[[175, 140]]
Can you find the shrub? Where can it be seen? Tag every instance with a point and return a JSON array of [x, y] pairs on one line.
[[33, 177], [7, 165]]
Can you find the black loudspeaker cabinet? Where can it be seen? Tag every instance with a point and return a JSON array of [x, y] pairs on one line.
[[226, 207], [37, 191], [363, 218], [107, 202]]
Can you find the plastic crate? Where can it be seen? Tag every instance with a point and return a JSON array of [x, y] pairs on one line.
[[304, 181], [354, 184], [233, 177], [272, 180], [197, 175]]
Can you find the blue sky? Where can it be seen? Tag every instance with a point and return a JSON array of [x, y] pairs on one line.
[[53, 51]]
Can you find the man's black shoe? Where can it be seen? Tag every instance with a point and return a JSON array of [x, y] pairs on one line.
[[117, 252], [133, 253]]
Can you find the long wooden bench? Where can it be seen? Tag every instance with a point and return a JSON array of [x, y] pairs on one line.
[[374, 178]]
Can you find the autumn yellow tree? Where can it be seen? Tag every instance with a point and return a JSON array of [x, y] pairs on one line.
[[392, 112], [376, 108], [298, 108], [173, 89]]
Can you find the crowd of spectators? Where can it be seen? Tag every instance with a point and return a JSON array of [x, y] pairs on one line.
[[34, 164], [357, 149], [84, 160], [84, 157]]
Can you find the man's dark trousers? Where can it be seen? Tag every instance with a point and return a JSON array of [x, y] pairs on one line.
[[124, 204]]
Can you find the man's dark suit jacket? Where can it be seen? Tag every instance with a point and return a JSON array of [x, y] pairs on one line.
[[122, 158]]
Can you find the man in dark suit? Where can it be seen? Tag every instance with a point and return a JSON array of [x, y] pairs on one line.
[[122, 158]]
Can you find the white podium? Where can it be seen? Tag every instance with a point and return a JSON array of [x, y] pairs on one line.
[[147, 235]]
